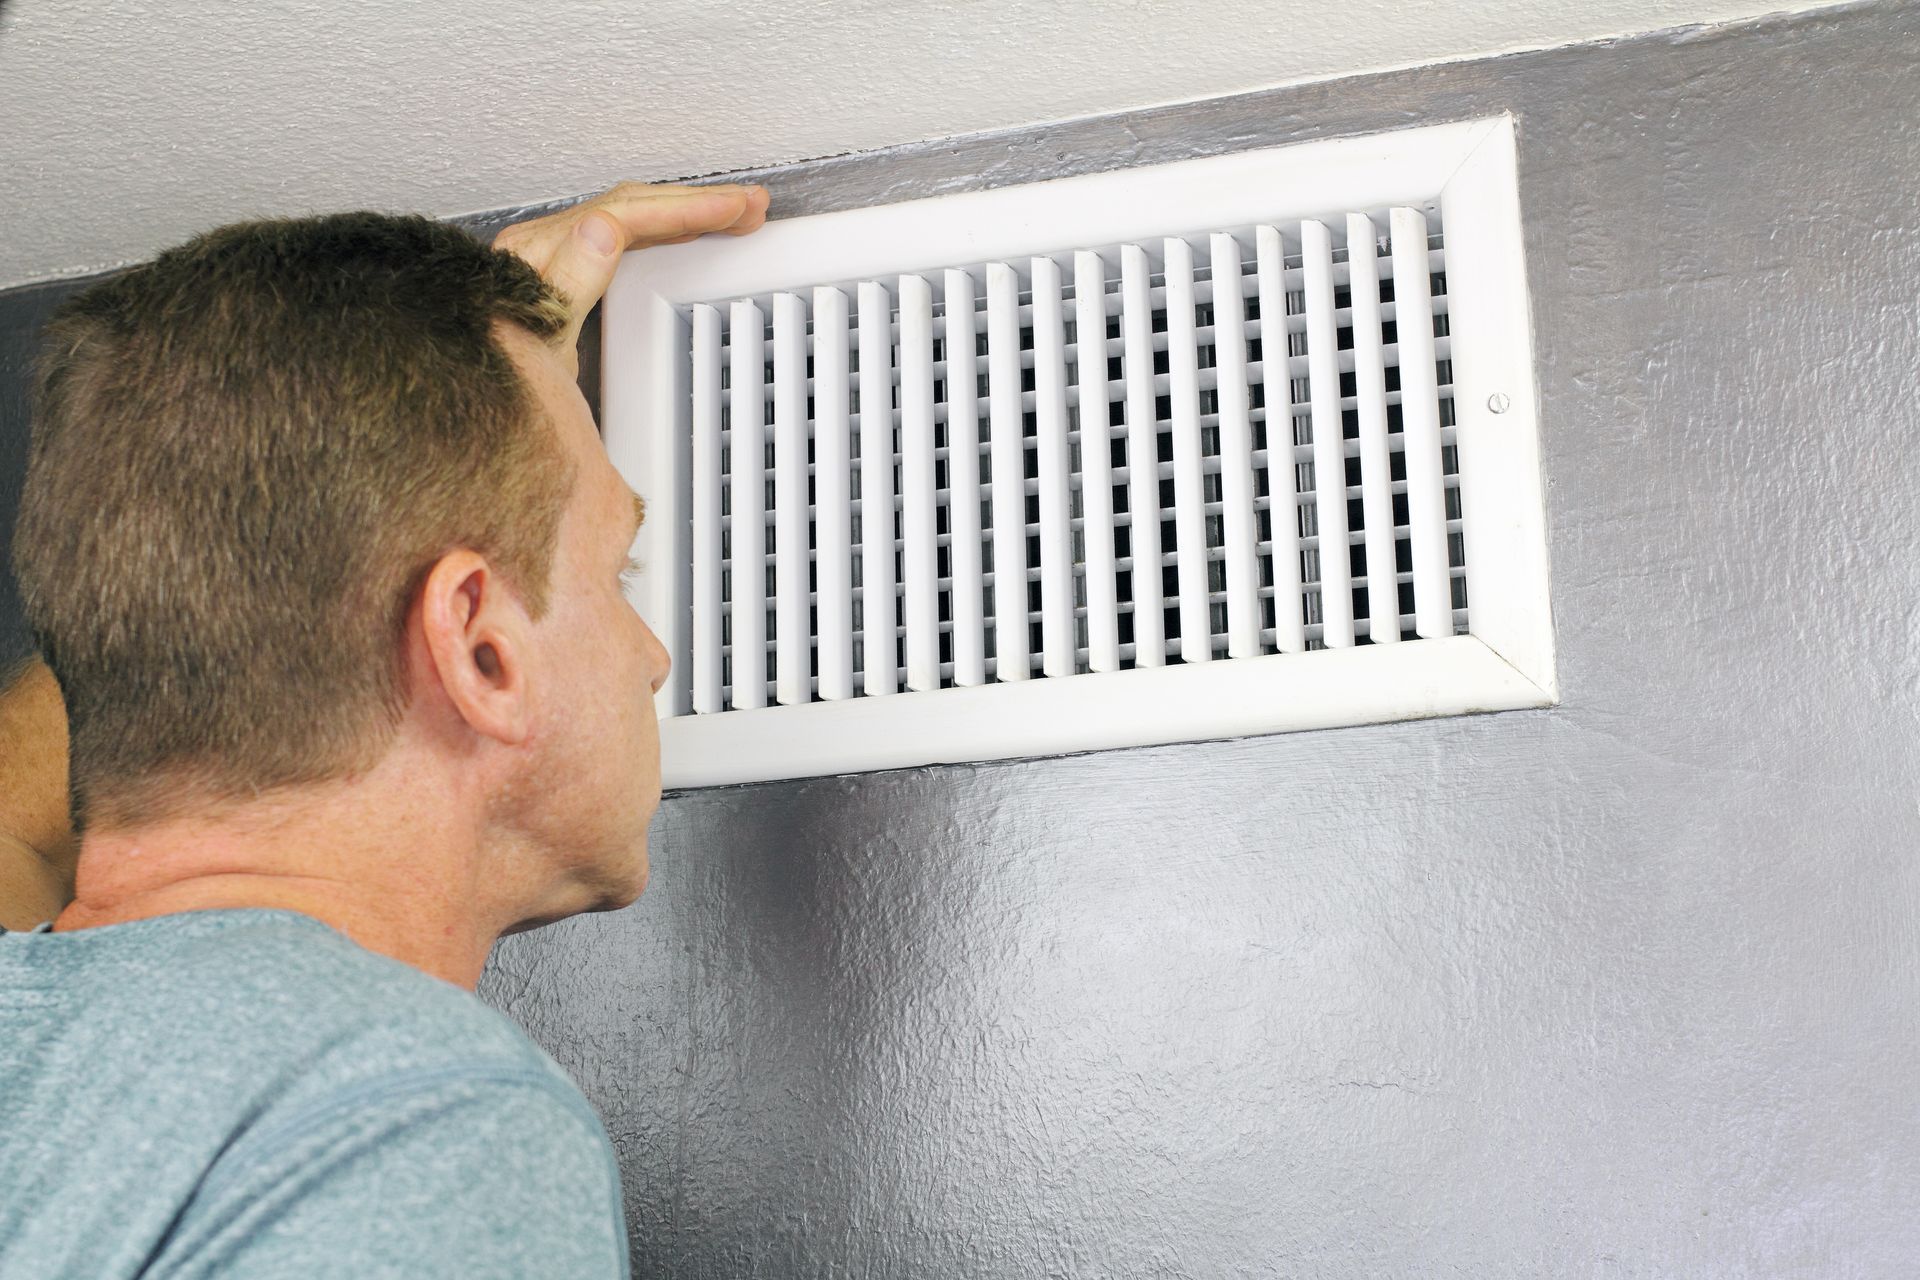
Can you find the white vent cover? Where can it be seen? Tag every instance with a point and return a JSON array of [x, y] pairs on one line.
[[1222, 447]]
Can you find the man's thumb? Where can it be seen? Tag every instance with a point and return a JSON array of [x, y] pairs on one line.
[[597, 232], [584, 264]]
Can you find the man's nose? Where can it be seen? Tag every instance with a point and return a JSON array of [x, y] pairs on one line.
[[657, 657]]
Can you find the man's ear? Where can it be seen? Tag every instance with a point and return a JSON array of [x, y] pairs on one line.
[[477, 635]]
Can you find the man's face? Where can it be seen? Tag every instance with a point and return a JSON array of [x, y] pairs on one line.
[[596, 780]]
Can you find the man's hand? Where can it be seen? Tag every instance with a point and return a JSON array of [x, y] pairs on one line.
[[577, 249]]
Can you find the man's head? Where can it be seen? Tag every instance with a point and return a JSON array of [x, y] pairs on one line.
[[254, 460]]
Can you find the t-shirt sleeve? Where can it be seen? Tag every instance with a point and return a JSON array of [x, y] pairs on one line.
[[426, 1174]]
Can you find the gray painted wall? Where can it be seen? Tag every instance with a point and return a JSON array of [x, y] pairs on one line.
[[1627, 987]]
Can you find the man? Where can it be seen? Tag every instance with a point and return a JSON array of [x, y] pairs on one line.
[[322, 547]]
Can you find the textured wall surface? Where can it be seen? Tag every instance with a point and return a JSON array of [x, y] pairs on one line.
[[131, 124], [1627, 987]]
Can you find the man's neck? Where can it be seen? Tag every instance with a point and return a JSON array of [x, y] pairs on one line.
[[373, 858]]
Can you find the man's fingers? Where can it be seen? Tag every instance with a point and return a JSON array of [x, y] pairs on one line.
[[651, 217], [754, 216], [577, 249], [646, 215]]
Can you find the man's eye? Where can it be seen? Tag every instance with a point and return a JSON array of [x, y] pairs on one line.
[[630, 575]]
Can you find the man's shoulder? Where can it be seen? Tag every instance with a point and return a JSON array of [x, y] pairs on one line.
[[280, 977], [229, 1088], [266, 1003], [408, 1090]]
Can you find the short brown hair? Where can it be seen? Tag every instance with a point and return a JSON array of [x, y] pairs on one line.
[[246, 455]]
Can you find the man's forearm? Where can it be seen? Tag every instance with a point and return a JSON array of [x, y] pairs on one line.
[[37, 849], [31, 888]]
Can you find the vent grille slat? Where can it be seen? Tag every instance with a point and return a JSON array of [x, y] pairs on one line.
[[1143, 483], [791, 566], [1189, 521], [1236, 449], [1087, 461], [1276, 380], [1093, 434], [877, 618], [919, 564], [1329, 454], [1005, 428], [1370, 394], [833, 509], [708, 677], [1426, 504], [966, 593], [1051, 464], [745, 578]]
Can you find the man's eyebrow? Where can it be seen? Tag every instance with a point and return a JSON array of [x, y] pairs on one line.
[[639, 512]]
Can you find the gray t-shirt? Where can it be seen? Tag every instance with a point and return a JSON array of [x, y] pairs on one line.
[[248, 1093]]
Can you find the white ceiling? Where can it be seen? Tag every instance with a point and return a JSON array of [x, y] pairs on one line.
[[130, 124]]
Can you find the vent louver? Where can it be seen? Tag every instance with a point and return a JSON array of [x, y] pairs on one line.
[[1077, 492]]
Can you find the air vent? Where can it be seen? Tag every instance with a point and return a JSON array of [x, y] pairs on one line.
[[1230, 446]]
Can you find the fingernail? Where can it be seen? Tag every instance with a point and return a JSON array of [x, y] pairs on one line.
[[594, 232]]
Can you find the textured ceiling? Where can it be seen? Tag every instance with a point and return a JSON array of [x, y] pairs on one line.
[[130, 125]]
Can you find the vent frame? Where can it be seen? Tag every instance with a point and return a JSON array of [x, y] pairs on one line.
[[1504, 661]]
